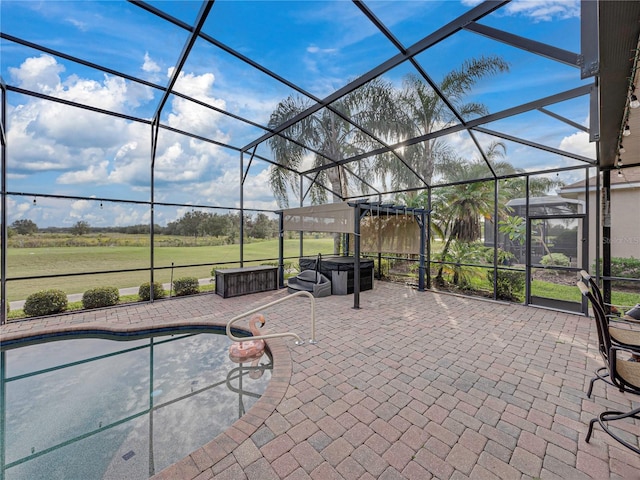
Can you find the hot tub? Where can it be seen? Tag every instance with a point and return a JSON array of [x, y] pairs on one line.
[[340, 270]]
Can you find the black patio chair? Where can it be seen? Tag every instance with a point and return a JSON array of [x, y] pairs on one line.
[[623, 374], [618, 334]]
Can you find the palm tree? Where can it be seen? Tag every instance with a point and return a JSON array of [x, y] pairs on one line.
[[395, 116], [325, 137], [426, 112], [459, 208]]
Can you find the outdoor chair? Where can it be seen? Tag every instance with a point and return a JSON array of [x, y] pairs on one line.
[[609, 308], [618, 334], [311, 281], [623, 374]]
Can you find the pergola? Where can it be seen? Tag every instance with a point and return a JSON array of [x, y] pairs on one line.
[[346, 218], [601, 73]]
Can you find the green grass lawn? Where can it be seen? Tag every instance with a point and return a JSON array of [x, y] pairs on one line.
[[571, 293], [25, 262]]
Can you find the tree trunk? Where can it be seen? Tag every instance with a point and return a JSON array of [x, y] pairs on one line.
[[334, 179], [445, 250]]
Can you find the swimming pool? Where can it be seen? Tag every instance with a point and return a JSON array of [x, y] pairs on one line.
[[91, 408]]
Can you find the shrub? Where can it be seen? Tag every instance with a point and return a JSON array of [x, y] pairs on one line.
[[45, 302], [555, 259], [623, 267], [504, 257], [144, 292], [461, 256], [100, 297], [381, 269], [186, 286], [509, 286]]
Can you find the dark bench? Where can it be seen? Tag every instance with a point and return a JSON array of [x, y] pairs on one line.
[[232, 282]]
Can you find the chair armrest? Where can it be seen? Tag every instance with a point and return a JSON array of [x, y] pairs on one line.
[[620, 348], [625, 319]]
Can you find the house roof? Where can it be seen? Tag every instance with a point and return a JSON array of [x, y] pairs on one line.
[[629, 178]]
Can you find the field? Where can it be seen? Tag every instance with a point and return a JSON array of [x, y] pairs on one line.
[[47, 255], [26, 262]]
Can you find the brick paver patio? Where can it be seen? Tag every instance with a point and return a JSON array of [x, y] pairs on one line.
[[412, 385]]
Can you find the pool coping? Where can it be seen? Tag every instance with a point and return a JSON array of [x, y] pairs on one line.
[[224, 443]]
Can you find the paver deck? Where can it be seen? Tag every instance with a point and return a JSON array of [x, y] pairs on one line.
[[413, 385]]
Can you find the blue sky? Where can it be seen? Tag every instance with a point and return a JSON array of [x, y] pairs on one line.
[[319, 46]]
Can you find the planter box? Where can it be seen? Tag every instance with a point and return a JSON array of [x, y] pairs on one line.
[[232, 282]]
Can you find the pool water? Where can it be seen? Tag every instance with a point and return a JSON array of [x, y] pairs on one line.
[[92, 408]]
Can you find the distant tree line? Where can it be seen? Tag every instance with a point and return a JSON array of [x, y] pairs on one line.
[[191, 224]]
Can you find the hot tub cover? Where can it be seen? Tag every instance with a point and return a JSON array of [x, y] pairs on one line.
[[334, 263]]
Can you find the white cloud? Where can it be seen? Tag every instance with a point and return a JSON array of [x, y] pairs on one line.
[[177, 165], [38, 73], [194, 118], [257, 193], [50, 136], [539, 10], [149, 65], [42, 74], [315, 49], [127, 215], [80, 25], [579, 143], [89, 150], [17, 209], [131, 161], [79, 206], [545, 10], [87, 211], [96, 174]]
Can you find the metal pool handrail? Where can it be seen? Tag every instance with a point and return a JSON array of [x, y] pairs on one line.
[[299, 341]]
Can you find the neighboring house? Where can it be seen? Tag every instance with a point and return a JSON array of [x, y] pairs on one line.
[[625, 219]]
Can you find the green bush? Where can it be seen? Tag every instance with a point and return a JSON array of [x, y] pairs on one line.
[[555, 259], [622, 267], [45, 302], [186, 286], [382, 267], [509, 286], [100, 297], [144, 292], [504, 257]]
